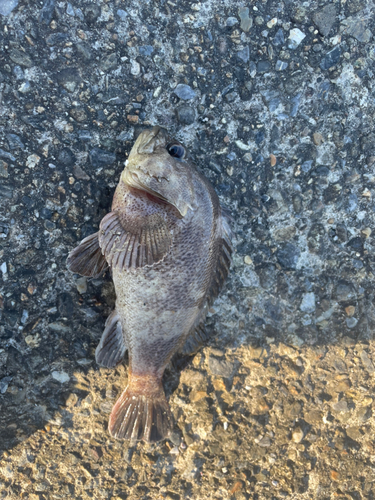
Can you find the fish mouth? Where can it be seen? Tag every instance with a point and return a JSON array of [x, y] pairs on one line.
[[133, 179]]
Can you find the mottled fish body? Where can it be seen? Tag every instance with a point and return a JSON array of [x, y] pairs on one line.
[[167, 242]]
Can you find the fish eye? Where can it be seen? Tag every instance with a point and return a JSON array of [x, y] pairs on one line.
[[176, 150]]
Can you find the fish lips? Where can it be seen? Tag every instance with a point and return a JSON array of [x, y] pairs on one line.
[[157, 186]]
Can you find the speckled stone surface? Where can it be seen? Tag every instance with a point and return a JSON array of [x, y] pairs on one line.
[[276, 104]]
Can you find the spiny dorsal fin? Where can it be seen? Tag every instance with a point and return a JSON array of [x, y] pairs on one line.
[[225, 250], [198, 335], [87, 258]]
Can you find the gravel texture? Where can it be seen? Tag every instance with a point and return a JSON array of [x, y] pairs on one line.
[[276, 102]]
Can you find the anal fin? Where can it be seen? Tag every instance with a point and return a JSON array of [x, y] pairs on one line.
[[112, 347], [87, 258]]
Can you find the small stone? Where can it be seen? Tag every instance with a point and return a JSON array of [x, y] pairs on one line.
[[272, 23], [25, 87], [264, 442], [341, 406], [91, 12], [318, 139], [184, 92], [101, 158], [350, 310], [33, 341], [351, 322], [248, 260], [135, 67], [297, 435], [331, 58], [185, 114], [32, 160], [20, 57], [345, 291], [3, 169], [220, 367], [335, 476], [246, 20], [281, 65], [79, 173], [66, 157], [84, 51], [132, 118], [69, 78], [126, 135], [263, 66], [81, 285], [6, 6], [46, 12], [242, 145], [288, 256], [308, 302], [231, 21], [15, 141], [244, 54], [314, 417], [295, 38], [273, 160], [78, 114], [4, 384], [357, 29], [279, 38], [61, 377], [324, 19], [366, 232], [109, 62], [368, 364], [122, 14]]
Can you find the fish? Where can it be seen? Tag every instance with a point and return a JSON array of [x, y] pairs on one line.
[[168, 244]]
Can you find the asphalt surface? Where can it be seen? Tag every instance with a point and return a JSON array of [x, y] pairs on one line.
[[276, 103]]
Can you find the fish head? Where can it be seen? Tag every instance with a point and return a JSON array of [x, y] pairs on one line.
[[158, 164]]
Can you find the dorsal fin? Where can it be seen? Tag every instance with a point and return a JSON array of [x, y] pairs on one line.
[[225, 250], [198, 335]]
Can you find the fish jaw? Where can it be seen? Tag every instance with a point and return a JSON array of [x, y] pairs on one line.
[[151, 168]]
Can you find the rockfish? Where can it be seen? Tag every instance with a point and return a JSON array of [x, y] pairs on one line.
[[168, 244]]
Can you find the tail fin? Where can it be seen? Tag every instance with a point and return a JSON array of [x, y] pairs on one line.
[[141, 415]]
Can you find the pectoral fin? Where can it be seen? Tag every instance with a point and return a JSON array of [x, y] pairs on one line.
[[137, 236], [87, 258]]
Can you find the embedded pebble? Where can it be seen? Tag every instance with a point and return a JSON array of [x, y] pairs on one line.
[[297, 435], [184, 92], [295, 38], [246, 20], [325, 18], [185, 114], [7, 6], [101, 158], [308, 302], [61, 377]]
